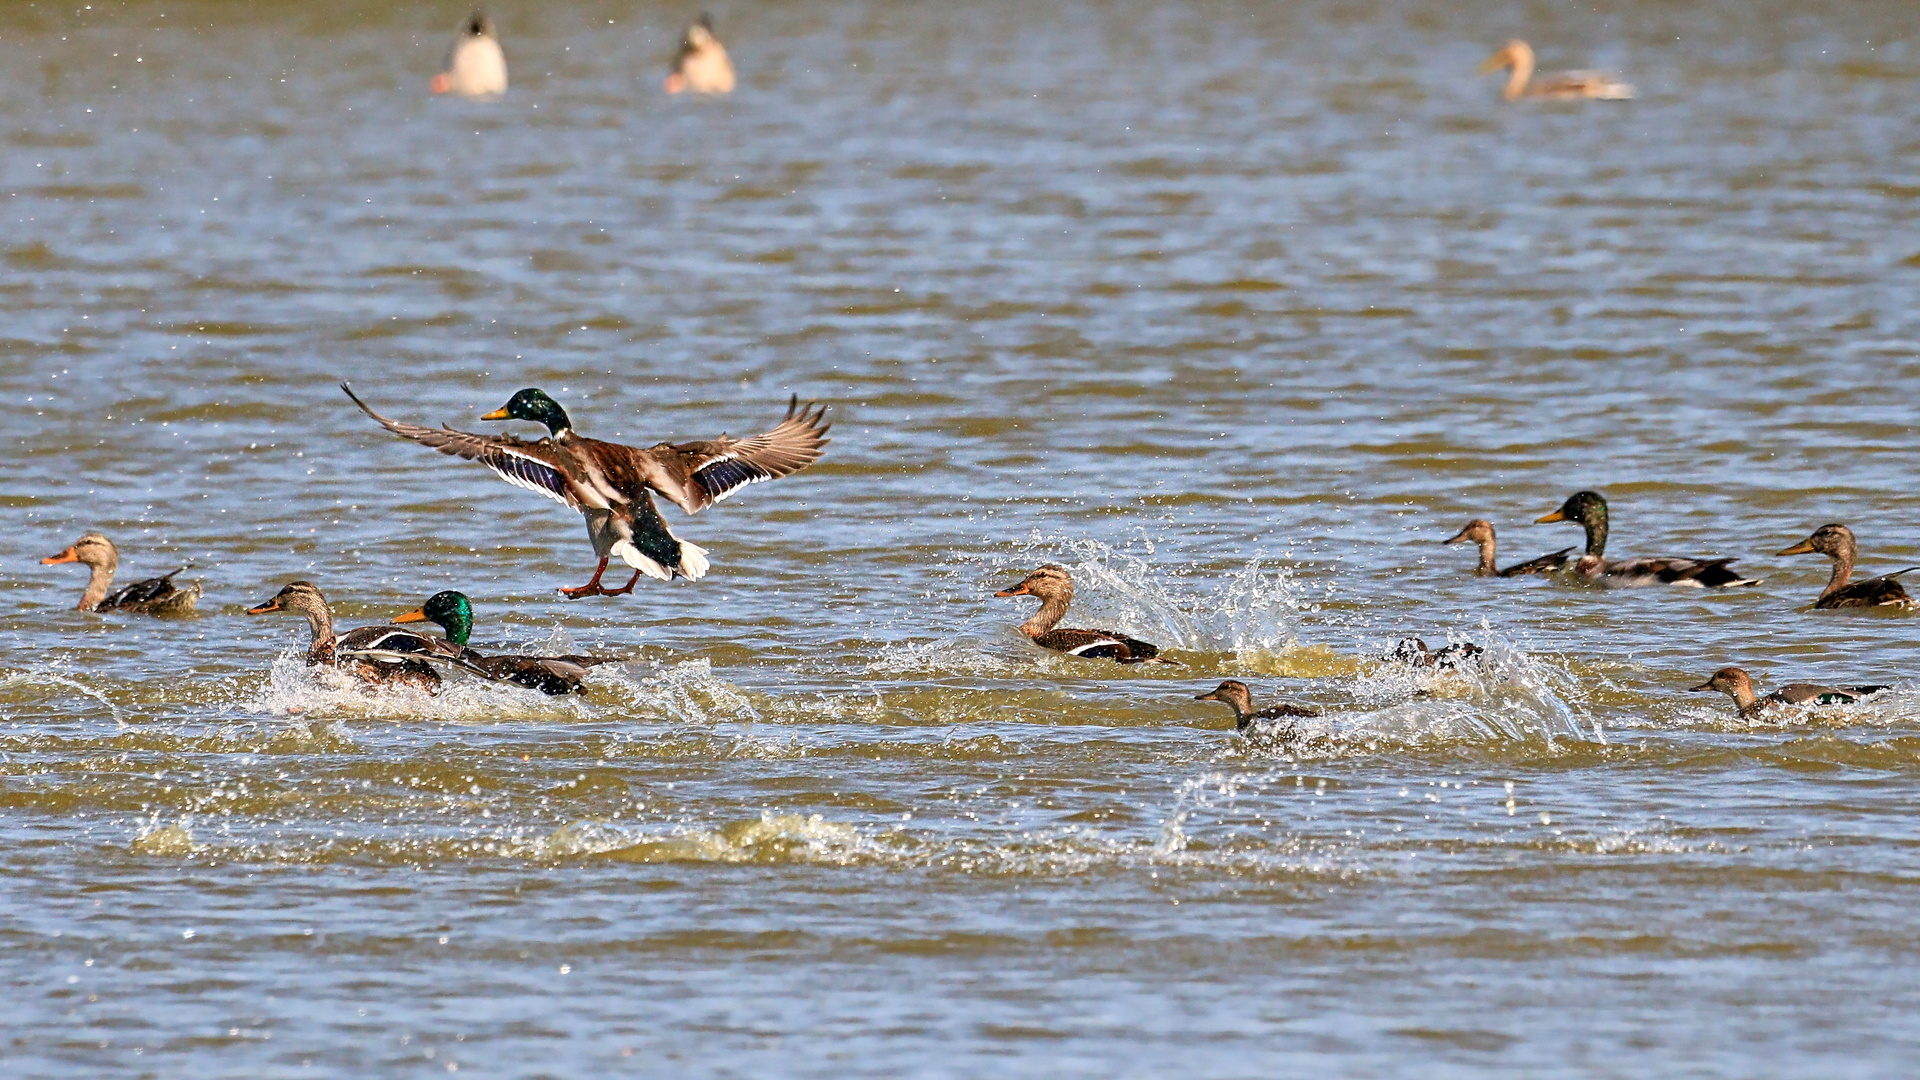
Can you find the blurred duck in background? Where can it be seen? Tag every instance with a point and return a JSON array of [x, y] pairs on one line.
[[1517, 57], [701, 66], [154, 596], [1836, 543], [476, 68]]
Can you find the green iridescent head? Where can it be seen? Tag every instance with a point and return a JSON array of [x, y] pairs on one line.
[[535, 407], [450, 610]]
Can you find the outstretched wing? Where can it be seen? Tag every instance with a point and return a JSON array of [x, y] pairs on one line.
[[530, 465], [696, 475]]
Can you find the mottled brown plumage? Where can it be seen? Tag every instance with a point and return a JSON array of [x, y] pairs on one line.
[[1734, 683], [383, 655], [1480, 531], [1836, 542], [154, 596], [1054, 586], [1236, 695]]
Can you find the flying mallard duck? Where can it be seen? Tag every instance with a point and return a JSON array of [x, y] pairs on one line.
[[1054, 586], [1480, 531], [476, 68], [453, 612], [1517, 56], [609, 483], [701, 66], [382, 655], [1735, 684], [1836, 543], [1590, 510], [1235, 694], [154, 596]]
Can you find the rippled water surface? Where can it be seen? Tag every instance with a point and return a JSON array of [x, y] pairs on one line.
[[1235, 310]]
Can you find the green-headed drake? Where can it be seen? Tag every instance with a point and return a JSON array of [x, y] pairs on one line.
[[376, 654], [1590, 511], [611, 484], [453, 613]]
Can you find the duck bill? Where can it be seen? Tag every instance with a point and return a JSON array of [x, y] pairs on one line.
[[1211, 695], [498, 414], [263, 609], [416, 615], [1013, 590], [1457, 538], [441, 83], [68, 555], [1708, 685], [1801, 548], [1557, 515], [1492, 63]]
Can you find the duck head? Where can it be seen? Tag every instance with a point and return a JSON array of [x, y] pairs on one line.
[[302, 596], [477, 25], [1834, 541], [535, 407], [1729, 680], [1047, 583], [1477, 531], [449, 610], [1517, 56], [1233, 692], [1588, 509], [93, 550]]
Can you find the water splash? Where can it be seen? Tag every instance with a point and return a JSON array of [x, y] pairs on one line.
[[41, 677]]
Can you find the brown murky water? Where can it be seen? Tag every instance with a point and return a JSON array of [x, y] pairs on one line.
[[1236, 310]]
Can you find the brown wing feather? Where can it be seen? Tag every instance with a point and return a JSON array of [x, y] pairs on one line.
[[695, 475], [531, 465]]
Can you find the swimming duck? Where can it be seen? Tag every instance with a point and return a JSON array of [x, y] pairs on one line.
[[1054, 587], [609, 484], [1590, 511], [1836, 543], [453, 612], [154, 596], [1235, 694], [384, 655], [476, 68], [1735, 684], [1414, 653], [701, 66], [1480, 531], [1517, 56]]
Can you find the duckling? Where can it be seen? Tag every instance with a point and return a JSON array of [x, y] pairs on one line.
[[1836, 542], [1517, 56], [701, 66], [1054, 586], [1234, 693], [453, 613], [1480, 531], [1589, 509], [382, 655], [476, 68], [1734, 683], [154, 596]]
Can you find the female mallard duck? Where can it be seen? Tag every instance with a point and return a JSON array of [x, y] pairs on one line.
[[1735, 684], [1480, 531], [476, 68], [453, 612], [1590, 511], [377, 654], [1054, 587], [1517, 56], [154, 596], [701, 66], [1836, 543], [609, 483], [1235, 694]]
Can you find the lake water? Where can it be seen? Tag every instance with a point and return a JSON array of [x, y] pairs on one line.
[[1236, 310]]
